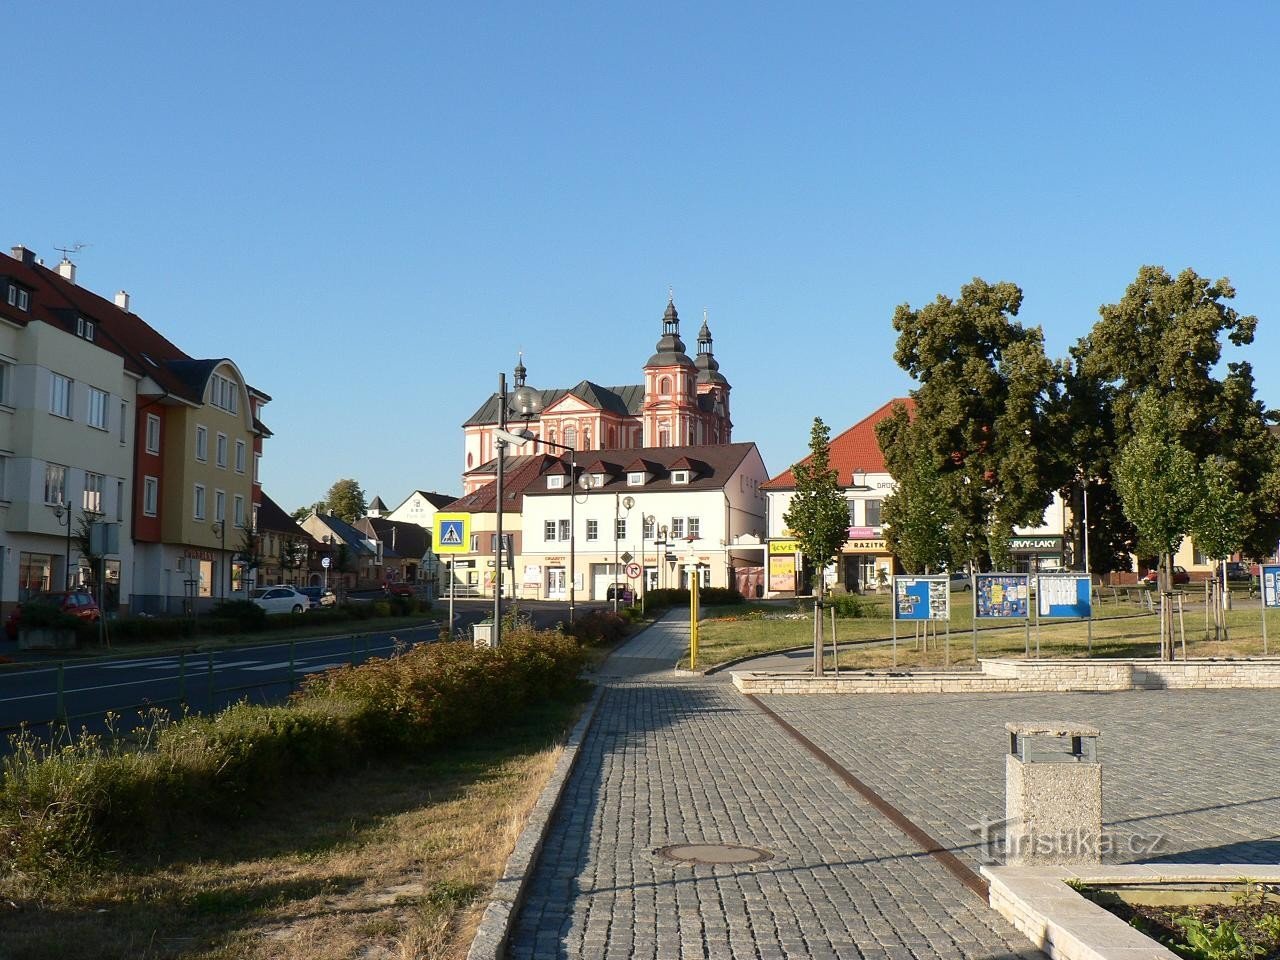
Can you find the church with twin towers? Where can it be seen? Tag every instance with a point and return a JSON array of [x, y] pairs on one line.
[[683, 401]]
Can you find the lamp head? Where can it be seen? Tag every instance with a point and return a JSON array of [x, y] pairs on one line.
[[525, 402]]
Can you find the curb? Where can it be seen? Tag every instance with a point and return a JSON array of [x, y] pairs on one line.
[[490, 940]]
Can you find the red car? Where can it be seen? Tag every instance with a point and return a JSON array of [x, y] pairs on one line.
[[1180, 576], [398, 588], [78, 603]]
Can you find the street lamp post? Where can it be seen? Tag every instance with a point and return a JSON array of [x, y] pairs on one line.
[[59, 511], [220, 528], [527, 402], [518, 438]]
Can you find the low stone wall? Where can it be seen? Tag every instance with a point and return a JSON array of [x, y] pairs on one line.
[[1006, 675]]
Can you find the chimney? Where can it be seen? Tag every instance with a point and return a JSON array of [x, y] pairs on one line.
[[67, 270], [122, 300], [23, 255]]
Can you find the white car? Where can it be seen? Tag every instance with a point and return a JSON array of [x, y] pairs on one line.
[[280, 600]]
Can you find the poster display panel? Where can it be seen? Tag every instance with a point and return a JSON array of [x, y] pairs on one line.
[[921, 598], [1064, 595], [1003, 596], [1271, 585]]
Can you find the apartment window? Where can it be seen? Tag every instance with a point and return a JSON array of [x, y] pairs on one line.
[[153, 433], [202, 443], [255, 522], [124, 409], [224, 394], [119, 501], [150, 495], [98, 408], [677, 527], [566, 531], [198, 511], [635, 479], [84, 328], [871, 510], [222, 450], [4, 472], [60, 395], [19, 298], [593, 530], [679, 476], [695, 528], [219, 506], [853, 521], [555, 482], [597, 480], [549, 530], [239, 456], [6, 378], [55, 483], [507, 547], [648, 529], [93, 492], [620, 528], [257, 468], [239, 510]]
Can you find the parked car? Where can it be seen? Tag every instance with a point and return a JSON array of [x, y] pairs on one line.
[[398, 588], [281, 599], [1180, 576], [1238, 570], [319, 596], [77, 603], [623, 591], [961, 582]]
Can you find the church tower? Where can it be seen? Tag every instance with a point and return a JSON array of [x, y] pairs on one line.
[[713, 391], [670, 411]]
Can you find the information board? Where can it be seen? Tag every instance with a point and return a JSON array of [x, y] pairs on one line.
[[1271, 585], [921, 598], [1064, 595], [1003, 596]]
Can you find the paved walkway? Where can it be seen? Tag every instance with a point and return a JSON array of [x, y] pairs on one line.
[[688, 760]]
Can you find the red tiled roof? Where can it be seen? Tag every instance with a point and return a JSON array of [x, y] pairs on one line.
[[855, 449]]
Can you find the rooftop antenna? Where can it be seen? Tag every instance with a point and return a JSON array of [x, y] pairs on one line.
[[74, 248]]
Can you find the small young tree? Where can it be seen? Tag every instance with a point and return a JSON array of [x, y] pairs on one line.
[[914, 516], [1160, 490], [819, 518], [293, 553], [1218, 525]]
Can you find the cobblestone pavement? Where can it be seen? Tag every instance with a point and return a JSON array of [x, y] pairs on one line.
[[1187, 775], [675, 759]]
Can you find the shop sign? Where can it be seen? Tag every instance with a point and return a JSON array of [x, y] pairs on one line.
[[783, 546], [193, 554], [1035, 544], [865, 546], [863, 533], [782, 573]]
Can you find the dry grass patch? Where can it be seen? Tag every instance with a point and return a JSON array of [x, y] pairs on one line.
[[391, 862]]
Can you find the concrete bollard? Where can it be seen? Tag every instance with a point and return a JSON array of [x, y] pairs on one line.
[[1053, 794]]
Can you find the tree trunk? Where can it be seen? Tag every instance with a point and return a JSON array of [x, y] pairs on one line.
[[1166, 608], [818, 646]]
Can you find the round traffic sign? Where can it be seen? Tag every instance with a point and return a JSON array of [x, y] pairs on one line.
[[324, 562], [633, 570]]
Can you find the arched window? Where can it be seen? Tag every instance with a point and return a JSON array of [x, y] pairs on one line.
[[571, 437], [471, 458], [586, 439], [664, 435], [664, 386], [613, 437]]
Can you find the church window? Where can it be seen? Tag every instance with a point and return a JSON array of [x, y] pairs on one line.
[[571, 437], [664, 385]]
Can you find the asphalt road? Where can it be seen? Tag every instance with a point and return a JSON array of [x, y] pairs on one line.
[[83, 691]]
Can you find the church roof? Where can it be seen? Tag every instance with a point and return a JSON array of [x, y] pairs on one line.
[[625, 401]]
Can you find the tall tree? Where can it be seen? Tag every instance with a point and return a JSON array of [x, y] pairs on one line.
[[1218, 525], [1165, 337], [1159, 484], [345, 500], [819, 518], [914, 516], [984, 383]]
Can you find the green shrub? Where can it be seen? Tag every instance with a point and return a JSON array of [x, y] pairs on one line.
[[599, 627], [848, 605], [248, 614], [666, 597], [718, 596]]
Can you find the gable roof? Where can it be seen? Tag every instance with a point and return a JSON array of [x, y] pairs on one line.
[[437, 500], [353, 538], [518, 476], [399, 538], [715, 464], [58, 301], [271, 516], [855, 449], [624, 401]]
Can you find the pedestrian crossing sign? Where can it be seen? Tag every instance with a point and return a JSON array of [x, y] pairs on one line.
[[452, 533]]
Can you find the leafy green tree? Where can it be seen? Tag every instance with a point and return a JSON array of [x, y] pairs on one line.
[[301, 513], [914, 515], [1218, 524], [1165, 336], [1159, 485], [345, 500], [818, 516], [985, 383]]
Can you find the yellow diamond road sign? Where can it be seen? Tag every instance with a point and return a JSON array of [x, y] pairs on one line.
[[452, 533]]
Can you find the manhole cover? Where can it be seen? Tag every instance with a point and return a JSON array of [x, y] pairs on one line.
[[713, 853]]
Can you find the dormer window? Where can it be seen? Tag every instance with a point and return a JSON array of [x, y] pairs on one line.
[[555, 482], [679, 476], [84, 328], [635, 479], [19, 298], [597, 479]]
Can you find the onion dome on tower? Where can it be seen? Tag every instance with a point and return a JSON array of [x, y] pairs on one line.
[[670, 348], [708, 366]]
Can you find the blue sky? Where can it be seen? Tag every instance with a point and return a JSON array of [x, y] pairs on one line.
[[371, 208]]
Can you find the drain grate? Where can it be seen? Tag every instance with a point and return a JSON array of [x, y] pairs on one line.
[[713, 853]]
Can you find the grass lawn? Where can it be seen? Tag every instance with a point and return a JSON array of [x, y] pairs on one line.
[[392, 861], [1120, 629]]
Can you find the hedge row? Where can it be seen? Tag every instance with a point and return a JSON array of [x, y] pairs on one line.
[[707, 597], [63, 806]]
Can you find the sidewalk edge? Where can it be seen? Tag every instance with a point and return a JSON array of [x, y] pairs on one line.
[[491, 936]]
